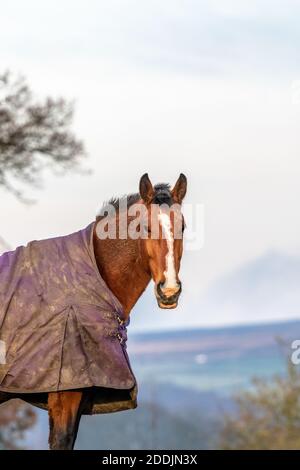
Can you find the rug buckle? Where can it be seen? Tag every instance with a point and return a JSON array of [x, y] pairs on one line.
[[120, 338]]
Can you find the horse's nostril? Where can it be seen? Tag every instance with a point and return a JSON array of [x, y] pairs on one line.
[[168, 295], [178, 286]]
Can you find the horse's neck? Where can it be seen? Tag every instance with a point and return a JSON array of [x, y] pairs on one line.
[[122, 268]]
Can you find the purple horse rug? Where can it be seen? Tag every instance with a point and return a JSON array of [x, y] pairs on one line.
[[61, 328]]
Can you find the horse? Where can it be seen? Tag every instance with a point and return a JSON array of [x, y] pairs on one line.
[[127, 265]]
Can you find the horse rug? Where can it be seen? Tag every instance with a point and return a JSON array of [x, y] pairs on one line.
[[61, 328]]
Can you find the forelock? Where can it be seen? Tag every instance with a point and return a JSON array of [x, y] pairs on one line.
[[162, 194]]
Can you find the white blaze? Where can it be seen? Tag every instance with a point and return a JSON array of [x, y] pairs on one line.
[[170, 272]]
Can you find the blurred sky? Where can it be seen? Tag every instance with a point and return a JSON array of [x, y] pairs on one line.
[[208, 88]]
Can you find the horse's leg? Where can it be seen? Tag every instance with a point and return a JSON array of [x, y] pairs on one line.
[[64, 416]]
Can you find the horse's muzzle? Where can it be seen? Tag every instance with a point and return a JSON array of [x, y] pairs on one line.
[[167, 301]]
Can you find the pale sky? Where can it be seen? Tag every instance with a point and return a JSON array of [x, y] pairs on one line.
[[207, 88]]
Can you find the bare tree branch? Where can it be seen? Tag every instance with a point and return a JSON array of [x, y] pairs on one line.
[[33, 135]]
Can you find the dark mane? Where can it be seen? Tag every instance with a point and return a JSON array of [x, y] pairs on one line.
[[162, 195]]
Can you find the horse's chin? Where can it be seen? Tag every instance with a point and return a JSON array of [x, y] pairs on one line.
[[166, 306]]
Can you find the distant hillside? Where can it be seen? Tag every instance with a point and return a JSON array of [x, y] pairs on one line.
[[232, 338]]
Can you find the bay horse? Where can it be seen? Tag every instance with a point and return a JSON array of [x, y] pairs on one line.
[[127, 265]]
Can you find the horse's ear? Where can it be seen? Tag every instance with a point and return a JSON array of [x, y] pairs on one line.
[[179, 190], [146, 188]]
